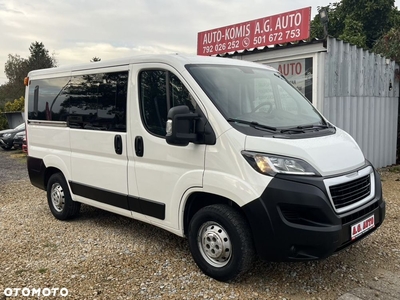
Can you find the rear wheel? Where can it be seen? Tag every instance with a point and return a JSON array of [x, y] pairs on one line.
[[220, 242], [59, 198]]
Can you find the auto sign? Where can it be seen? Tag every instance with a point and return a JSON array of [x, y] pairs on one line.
[[362, 227]]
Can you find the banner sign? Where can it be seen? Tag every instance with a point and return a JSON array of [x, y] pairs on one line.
[[286, 27], [294, 71]]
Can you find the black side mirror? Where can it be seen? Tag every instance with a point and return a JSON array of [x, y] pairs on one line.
[[181, 126]]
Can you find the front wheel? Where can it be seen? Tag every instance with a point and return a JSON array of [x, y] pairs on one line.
[[220, 242], [59, 198]]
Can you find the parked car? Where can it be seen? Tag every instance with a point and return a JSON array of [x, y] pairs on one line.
[[18, 139], [7, 136]]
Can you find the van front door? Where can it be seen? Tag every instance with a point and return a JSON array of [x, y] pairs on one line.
[[163, 172]]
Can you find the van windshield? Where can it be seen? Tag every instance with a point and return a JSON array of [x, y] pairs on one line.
[[256, 96]]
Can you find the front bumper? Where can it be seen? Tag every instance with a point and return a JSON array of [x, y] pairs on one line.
[[294, 219], [17, 143], [6, 142]]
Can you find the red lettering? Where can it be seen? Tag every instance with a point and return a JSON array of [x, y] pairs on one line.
[[298, 68], [290, 69], [354, 230]]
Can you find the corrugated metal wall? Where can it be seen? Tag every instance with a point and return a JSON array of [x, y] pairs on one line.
[[358, 99]]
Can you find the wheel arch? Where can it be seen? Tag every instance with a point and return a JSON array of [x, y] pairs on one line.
[[49, 172], [198, 200]]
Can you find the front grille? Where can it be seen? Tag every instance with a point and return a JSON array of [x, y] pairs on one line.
[[348, 193], [363, 212]]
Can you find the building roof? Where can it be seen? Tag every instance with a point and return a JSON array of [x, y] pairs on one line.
[[276, 47]]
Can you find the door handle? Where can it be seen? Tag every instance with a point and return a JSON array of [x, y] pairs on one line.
[[118, 144], [139, 146]]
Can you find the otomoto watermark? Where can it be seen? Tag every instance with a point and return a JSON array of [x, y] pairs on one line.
[[38, 292]]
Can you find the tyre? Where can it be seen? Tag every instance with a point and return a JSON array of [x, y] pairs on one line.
[[59, 198], [6, 148], [220, 242]]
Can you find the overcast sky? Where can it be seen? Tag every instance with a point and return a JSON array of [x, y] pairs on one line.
[[77, 30]]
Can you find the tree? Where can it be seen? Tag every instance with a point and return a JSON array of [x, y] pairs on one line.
[[39, 57], [335, 25], [353, 33], [17, 68], [389, 44], [16, 105], [358, 22]]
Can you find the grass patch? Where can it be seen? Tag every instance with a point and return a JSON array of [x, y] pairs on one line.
[[42, 270], [19, 272], [19, 155], [395, 169], [50, 245]]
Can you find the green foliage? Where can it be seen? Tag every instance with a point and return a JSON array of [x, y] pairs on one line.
[[3, 121], [17, 68], [358, 22], [374, 15], [39, 57], [335, 24], [10, 106], [16, 105], [389, 44], [394, 169], [353, 33]]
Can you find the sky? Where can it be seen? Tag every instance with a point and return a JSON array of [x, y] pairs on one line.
[[75, 31]]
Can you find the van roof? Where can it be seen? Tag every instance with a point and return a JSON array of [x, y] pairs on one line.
[[176, 60]]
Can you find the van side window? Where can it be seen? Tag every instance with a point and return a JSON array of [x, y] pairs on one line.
[[50, 99], [93, 101], [159, 91], [98, 101]]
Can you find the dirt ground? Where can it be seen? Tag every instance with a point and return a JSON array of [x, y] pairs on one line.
[[101, 255]]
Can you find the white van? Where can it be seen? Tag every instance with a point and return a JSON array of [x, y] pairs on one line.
[[224, 152]]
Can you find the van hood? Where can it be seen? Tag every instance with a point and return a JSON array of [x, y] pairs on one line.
[[329, 155]]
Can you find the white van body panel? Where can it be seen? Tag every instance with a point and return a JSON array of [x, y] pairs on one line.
[[228, 174], [59, 155], [94, 162], [329, 155]]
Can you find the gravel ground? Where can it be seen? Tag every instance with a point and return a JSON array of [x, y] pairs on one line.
[[105, 256]]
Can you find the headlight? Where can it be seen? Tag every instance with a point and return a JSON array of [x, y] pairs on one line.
[[6, 135], [272, 164]]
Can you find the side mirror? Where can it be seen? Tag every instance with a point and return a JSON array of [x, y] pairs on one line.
[[181, 126]]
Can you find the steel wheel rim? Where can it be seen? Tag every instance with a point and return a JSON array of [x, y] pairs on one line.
[[214, 244], [57, 197]]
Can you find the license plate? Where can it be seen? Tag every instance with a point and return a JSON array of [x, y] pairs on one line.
[[362, 227]]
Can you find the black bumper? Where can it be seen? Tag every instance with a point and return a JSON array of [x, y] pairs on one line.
[[294, 220], [36, 171], [6, 142]]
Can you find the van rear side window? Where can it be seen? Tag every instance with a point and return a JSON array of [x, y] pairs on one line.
[[93, 101]]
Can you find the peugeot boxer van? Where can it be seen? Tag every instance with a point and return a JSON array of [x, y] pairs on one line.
[[226, 153]]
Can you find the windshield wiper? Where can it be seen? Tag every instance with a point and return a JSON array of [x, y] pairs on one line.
[[252, 124], [303, 129]]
